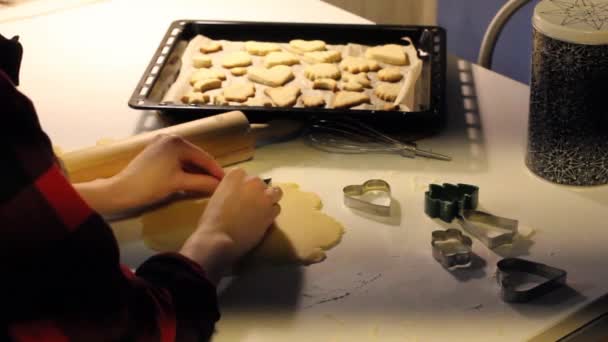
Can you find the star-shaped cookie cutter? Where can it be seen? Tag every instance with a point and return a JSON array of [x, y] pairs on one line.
[[353, 197], [448, 202], [451, 248], [509, 278]]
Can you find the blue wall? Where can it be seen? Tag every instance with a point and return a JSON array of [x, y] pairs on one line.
[[466, 22]]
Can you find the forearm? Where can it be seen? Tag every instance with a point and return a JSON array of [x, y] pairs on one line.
[[104, 196], [211, 253]]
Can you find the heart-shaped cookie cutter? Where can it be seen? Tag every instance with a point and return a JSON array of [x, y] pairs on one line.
[[451, 248], [555, 278], [353, 193], [448, 202]]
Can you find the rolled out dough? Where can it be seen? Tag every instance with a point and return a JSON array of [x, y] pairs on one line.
[[301, 234]]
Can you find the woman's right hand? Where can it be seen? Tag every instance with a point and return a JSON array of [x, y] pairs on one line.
[[236, 218]]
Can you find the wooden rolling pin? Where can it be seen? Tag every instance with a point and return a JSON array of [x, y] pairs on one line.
[[228, 137]]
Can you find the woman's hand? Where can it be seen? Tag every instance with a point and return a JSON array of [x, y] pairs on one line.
[[238, 215], [168, 165]]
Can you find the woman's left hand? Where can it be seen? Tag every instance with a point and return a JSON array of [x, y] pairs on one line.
[[168, 165]]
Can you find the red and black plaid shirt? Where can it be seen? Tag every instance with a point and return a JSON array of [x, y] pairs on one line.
[[61, 275]]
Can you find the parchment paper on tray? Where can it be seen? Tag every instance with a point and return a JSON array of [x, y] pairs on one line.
[[409, 98]]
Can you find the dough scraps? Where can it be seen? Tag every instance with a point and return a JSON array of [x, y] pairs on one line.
[[301, 234]]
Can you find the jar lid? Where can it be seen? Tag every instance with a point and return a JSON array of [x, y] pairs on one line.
[[575, 21]]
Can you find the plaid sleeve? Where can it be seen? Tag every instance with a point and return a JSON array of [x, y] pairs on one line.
[[62, 276]]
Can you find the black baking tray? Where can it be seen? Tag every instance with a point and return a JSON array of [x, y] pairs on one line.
[[165, 65]]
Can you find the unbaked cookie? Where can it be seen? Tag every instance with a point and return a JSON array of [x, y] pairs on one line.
[[391, 54], [330, 56], [210, 47], [202, 61], [373, 65], [236, 59], [391, 106], [307, 45], [360, 78], [202, 74], [220, 100], [207, 84], [352, 86], [390, 75], [356, 64], [280, 58], [239, 92], [261, 48], [274, 77], [347, 99], [259, 102], [387, 91], [322, 70], [238, 71], [283, 96], [195, 98], [325, 84], [315, 100]]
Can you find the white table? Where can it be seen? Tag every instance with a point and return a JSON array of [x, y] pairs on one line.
[[81, 65]]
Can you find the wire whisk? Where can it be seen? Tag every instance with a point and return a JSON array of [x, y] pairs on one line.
[[353, 137]]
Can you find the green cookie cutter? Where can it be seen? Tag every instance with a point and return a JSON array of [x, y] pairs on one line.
[[459, 201]]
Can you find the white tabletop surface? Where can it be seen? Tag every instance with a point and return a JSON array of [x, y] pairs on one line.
[[81, 65]]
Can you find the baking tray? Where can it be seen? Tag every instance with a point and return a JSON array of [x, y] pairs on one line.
[[166, 63]]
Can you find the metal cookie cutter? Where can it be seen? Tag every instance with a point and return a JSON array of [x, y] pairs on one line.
[[373, 196], [449, 201], [511, 277], [451, 249]]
